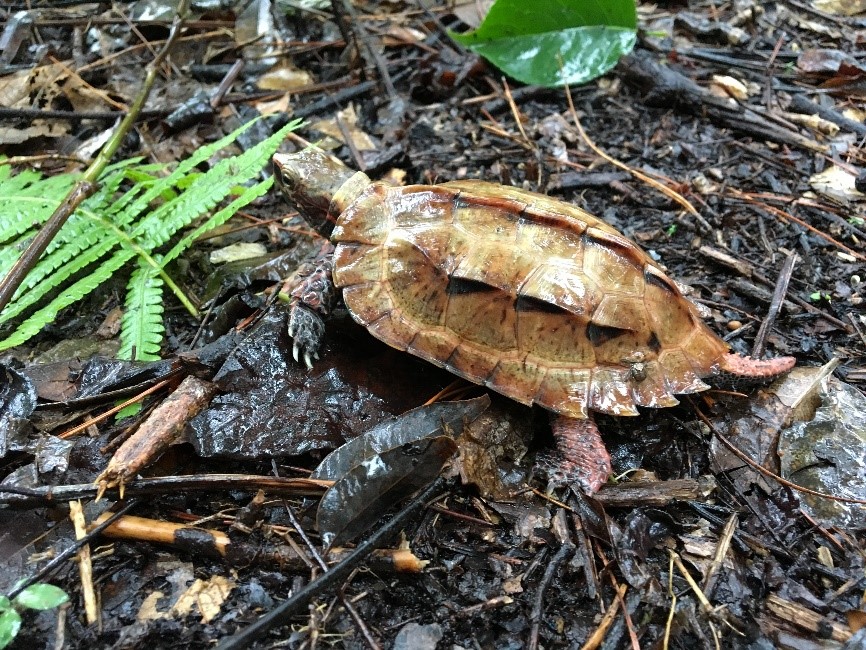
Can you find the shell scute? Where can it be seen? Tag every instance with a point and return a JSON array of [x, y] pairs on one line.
[[679, 372], [434, 345], [356, 263], [519, 379], [623, 312], [472, 362], [567, 386], [610, 391], [555, 337], [391, 326], [652, 389], [368, 302], [486, 319], [609, 268], [415, 284]]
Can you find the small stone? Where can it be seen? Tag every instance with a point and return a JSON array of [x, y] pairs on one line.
[[734, 325]]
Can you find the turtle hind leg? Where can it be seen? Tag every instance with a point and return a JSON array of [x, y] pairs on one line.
[[580, 457], [312, 296]]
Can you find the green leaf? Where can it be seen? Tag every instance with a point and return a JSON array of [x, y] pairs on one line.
[[141, 327], [554, 42], [41, 596], [10, 624]]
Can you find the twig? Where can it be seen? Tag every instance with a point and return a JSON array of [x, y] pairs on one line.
[[779, 294], [538, 605], [763, 470], [356, 617], [599, 633], [721, 551], [364, 37], [673, 609], [162, 428], [671, 194], [69, 433], [785, 216], [71, 550], [332, 578], [85, 566], [705, 603], [48, 495]]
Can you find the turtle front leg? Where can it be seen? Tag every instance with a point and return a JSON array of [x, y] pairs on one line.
[[581, 455], [311, 298]]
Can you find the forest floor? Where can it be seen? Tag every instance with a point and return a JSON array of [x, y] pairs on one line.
[[751, 113]]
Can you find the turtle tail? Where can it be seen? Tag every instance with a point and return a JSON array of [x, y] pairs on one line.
[[738, 371]]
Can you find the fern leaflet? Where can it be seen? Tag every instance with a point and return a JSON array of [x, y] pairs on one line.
[[142, 324]]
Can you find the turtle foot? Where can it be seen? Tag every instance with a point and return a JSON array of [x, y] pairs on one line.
[[313, 296], [580, 456], [307, 329]]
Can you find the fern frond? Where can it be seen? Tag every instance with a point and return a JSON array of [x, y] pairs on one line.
[[207, 190], [141, 327], [70, 295], [107, 231], [76, 237], [77, 246], [27, 200], [72, 267], [249, 195]]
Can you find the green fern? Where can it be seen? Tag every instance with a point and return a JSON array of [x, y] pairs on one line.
[[110, 230], [142, 324]]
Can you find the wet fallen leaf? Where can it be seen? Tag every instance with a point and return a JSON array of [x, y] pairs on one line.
[[472, 12], [391, 461], [446, 418], [824, 62], [837, 184], [272, 406], [840, 7], [828, 454], [285, 77], [491, 446], [348, 119], [368, 490], [237, 252], [17, 401]]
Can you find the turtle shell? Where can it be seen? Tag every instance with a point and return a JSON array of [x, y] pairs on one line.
[[532, 297]]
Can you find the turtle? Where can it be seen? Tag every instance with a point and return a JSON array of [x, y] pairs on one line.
[[530, 296]]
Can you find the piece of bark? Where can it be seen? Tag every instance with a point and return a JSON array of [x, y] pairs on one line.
[[805, 619], [163, 428], [654, 493]]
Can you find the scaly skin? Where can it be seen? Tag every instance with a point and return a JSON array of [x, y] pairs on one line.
[[739, 367]]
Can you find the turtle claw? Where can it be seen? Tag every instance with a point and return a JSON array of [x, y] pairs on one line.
[[307, 329]]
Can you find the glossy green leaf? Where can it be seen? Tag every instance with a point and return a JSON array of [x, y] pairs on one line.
[[554, 42], [41, 596], [10, 624]]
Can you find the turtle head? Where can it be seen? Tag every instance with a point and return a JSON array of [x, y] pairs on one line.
[[316, 184]]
